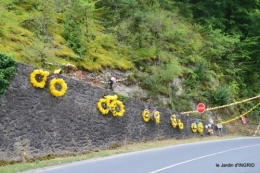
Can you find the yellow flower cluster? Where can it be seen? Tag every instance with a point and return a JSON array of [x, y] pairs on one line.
[[43, 77], [146, 115], [210, 131], [54, 91], [194, 127], [42, 74], [180, 124], [176, 122], [197, 128], [58, 71], [200, 127], [111, 103], [157, 117], [121, 108], [100, 106]]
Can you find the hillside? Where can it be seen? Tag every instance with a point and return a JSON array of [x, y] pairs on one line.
[[180, 52]]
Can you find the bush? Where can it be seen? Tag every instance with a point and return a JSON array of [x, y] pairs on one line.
[[220, 97], [122, 98], [7, 69]]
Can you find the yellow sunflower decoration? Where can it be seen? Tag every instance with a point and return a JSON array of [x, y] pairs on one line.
[[110, 99], [54, 91], [180, 124], [146, 115], [101, 104], [200, 127], [111, 103], [174, 121], [194, 127], [210, 131], [157, 117], [117, 104], [43, 76], [58, 71]]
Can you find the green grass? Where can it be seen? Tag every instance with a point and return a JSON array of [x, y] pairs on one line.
[[103, 153]]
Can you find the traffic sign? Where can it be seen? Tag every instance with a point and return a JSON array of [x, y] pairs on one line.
[[201, 108]]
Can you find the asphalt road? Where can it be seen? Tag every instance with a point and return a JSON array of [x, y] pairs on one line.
[[240, 155]]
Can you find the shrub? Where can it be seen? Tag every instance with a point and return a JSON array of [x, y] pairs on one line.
[[220, 97], [7, 69], [122, 98]]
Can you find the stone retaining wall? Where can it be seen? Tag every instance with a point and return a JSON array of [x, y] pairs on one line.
[[35, 123]]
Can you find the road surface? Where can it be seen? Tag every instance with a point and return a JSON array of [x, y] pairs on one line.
[[240, 155]]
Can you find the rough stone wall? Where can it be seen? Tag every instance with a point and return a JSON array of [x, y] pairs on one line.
[[35, 123]]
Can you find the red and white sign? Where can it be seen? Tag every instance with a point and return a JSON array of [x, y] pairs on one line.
[[201, 108]]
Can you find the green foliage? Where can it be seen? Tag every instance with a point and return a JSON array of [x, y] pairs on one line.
[[220, 96], [206, 43], [122, 98], [178, 102], [132, 78], [76, 24], [201, 70], [255, 18], [229, 16], [232, 40], [119, 10], [160, 79], [201, 75], [255, 116], [7, 69]]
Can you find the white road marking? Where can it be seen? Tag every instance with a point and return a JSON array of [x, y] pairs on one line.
[[202, 158]]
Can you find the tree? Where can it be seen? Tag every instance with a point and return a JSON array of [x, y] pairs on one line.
[[76, 24]]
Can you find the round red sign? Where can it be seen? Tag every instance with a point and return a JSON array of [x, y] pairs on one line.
[[201, 108]]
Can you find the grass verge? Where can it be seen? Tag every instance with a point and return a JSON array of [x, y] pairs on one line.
[[103, 153]]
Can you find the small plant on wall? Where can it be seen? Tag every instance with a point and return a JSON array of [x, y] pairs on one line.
[[7, 69], [111, 103]]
